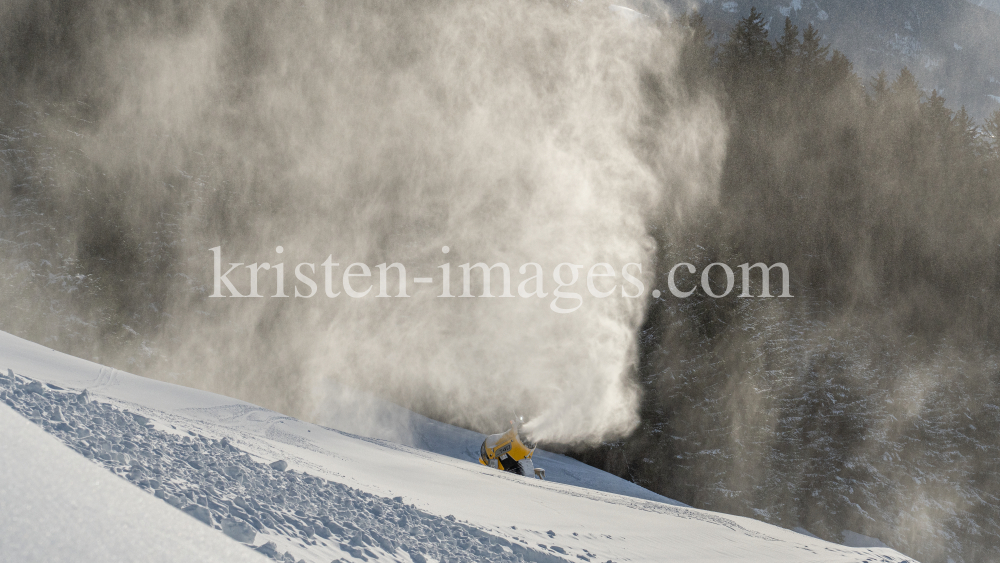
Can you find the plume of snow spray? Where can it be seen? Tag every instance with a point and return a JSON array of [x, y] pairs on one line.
[[380, 132]]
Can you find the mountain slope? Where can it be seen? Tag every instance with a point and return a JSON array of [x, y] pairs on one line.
[[59, 507], [342, 492]]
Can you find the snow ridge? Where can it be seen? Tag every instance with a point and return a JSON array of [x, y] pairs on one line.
[[285, 515]]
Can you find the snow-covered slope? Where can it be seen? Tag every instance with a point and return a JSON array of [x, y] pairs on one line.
[[345, 496], [362, 414], [57, 506]]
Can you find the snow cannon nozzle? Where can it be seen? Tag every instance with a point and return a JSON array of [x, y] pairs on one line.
[[517, 424], [518, 421]]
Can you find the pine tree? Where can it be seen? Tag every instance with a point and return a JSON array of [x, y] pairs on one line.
[[748, 50], [906, 89], [965, 131], [814, 54], [879, 87], [839, 69], [701, 35], [788, 47], [699, 50], [937, 117]]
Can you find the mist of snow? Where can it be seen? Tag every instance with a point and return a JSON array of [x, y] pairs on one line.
[[380, 132]]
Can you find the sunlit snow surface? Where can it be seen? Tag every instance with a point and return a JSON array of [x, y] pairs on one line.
[[349, 497], [55, 506]]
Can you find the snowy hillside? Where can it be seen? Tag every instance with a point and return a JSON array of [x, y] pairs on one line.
[[59, 507], [295, 491]]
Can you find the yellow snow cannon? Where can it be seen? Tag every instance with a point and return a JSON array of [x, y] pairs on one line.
[[507, 452]]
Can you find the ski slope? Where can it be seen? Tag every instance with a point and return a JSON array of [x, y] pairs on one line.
[[342, 496], [56, 506]]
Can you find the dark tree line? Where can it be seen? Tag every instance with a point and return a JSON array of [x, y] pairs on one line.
[[870, 401]]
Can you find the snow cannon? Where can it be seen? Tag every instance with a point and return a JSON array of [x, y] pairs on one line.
[[508, 452]]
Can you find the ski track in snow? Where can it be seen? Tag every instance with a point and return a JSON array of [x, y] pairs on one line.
[[286, 515]]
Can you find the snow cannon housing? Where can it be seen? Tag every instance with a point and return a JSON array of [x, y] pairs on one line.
[[508, 452]]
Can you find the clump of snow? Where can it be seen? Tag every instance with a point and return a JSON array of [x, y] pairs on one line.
[[730, 6], [239, 530]]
